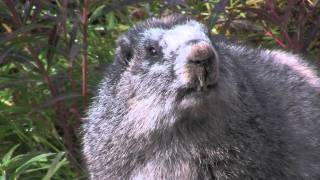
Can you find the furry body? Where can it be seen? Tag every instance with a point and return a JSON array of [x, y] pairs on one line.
[[259, 120]]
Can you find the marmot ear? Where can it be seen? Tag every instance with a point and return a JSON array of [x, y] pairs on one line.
[[124, 51]]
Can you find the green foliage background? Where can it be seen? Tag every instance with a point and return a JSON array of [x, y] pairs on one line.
[[52, 55]]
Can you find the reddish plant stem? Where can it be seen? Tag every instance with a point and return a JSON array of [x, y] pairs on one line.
[[61, 119], [72, 82], [68, 136], [286, 36], [272, 6], [13, 11], [84, 55], [274, 14], [32, 51], [78, 116], [42, 70], [277, 40], [73, 108]]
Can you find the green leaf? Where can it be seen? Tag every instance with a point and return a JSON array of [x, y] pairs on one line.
[[56, 164], [3, 176], [18, 161], [22, 30], [97, 13], [7, 157], [23, 167]]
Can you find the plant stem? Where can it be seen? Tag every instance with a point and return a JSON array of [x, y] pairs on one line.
[[84, 55]]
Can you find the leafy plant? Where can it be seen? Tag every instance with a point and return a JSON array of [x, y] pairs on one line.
[[32, 165]]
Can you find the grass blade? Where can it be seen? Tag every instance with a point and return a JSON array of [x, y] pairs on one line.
[[56, 164]]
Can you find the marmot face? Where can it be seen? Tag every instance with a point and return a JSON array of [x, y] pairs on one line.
[[171, 60]]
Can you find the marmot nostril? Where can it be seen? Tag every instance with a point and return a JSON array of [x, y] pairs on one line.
[[201, 53], [201, 61], [201, 64]]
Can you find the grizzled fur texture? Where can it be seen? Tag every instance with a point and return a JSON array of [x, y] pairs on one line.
[[161, 114]]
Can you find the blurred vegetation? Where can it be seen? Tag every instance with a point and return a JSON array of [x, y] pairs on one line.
[[52, 54]]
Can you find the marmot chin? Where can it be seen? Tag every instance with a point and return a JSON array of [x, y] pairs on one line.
[[178, 104]]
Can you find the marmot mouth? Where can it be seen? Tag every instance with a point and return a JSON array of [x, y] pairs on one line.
[[200, 89], [196, 92]]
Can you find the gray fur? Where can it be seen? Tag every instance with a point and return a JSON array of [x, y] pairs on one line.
[[260, 121]]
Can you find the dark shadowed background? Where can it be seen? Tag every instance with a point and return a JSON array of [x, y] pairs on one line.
[[53, 52]]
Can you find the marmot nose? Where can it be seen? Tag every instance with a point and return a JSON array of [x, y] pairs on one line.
[[201, 53]]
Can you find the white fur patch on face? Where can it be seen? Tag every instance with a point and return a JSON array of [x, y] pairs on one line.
[[159, 68], [154, 33], [182, 75], [178, 36], [297, 65], [171, 39], [175, 40]]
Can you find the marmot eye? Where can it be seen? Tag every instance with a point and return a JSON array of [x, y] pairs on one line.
[[152, 51]]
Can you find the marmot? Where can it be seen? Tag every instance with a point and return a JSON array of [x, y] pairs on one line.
[[178, 104]]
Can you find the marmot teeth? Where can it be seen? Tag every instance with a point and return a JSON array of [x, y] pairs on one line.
[[202, 77]]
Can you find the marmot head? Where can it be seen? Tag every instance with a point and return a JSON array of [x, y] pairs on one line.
[[164, 70], [173, 54]]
